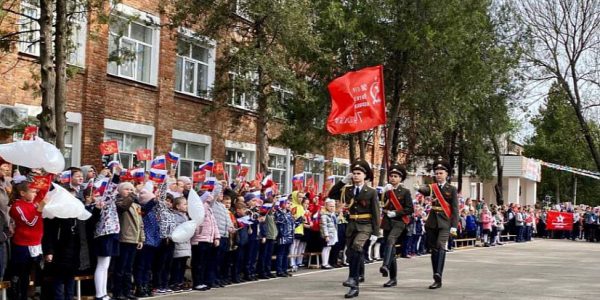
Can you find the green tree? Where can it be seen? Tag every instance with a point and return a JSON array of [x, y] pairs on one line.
[[558, 139]]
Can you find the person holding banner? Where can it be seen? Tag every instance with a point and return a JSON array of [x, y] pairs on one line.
[[362, 204], [443, 218], [397, 210]]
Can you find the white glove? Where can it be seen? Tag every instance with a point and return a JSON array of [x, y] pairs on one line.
[[391, 214], [387, 187], [453, 231], [373, 238], [347, 179]]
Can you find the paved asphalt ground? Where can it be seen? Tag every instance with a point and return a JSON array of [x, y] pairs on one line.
[[542, 269]]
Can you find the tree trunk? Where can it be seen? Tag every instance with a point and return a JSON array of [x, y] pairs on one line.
[[585, 128], [499, 169], [362, 145], [48, 76], [263, 114], [351, 149], [61, 51], [460, 164]]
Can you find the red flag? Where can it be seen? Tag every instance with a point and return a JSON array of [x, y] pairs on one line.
[[144, 154], [109, 147], [199, 176], [559, 220], [357, 101], [218, 169], [243, 172], [259, 177], [310, 183], [42, 184], [29, 132]]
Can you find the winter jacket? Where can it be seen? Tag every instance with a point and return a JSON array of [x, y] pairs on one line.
[[183, 249], [285, 226], [66, 241], [130, 220], [151, 226], [329, 227], [208, 231]]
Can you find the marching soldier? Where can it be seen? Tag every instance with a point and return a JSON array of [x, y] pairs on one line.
[[397, 211], [443, 218], [363, 218]]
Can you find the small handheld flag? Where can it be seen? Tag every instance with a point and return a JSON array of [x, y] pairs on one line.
[[158, 176], [101, 185], [209, 184], [65, 177], [207, 166], [138, 174], [30, 132], [199, 176], [159, 162], [218, 168], [109, 147], [172, 157], [144, 154]]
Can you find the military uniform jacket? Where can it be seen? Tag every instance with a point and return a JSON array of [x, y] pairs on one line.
[[405, 199], [366, 202], [437, 217]]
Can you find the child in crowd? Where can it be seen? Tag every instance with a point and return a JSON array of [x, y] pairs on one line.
[[329, 226], [145, 257], [182, 251], [205, 243], [165, 212], [285, 228]]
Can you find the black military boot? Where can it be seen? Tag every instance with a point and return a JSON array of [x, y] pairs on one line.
[[353, 292], [387, 258], [390, 283], [438, 269]]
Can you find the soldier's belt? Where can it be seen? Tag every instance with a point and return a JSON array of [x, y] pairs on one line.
[[360, 216], [437, 208]]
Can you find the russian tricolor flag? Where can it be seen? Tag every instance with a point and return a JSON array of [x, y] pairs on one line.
[[298, 177], [138, 174], [267, 181], [331, 178], [65, 177], [268, 192], [159, 162], [101, 185], [172, 157], [209, 184], [158, 176], [207, 166]]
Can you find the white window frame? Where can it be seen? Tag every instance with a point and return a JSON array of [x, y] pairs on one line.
[[320, 159], [240, 146], [196, 139], [204, 42], [239, 10], [340, 162], [131, 128], [285, 186], [282, 95], [142, 19], [243, 96], [29, 42], [74, 120]]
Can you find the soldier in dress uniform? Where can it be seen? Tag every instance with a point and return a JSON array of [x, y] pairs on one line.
[[443, 217], [397, 211], [362, 206]]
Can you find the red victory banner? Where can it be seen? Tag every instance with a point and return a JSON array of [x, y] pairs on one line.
[[143, 154], [42, 185], [29, 132], [109, 147], [559, 220], [357, 101], [244, 172], [199, 176], [218, 168]]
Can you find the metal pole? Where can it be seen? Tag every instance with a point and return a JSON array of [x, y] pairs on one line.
[[575, 192]]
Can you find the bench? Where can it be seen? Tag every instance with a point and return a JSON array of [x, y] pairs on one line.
[[310, 255], [464, 243], [507, 237], [78, 280]]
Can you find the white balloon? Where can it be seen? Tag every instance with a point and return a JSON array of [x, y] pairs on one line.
[[34, 154], [62, 204], [195, 207], [184, 231]]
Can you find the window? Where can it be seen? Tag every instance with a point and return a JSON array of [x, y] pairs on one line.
[[283, 97], [29, 39], [232, 157], [278, 167], [132, 48], [68, 153], [195, 67], [241, 9], [192, 156], [128, 144], [29, 27], [340, 170], [243, 90], [313, 169]]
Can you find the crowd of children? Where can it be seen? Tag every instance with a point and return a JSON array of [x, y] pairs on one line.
[[130, 234]]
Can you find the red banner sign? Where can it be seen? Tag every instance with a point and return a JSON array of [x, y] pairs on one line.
[[29, 132], [559, 220], [109, 147], [144, 154], [199, 176], [357, 101], [218, 168]]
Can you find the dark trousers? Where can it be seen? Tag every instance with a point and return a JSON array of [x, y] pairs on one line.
[[178, 270], [64, 287], [520, 234], [21, 264], [250, 264], [264, 261], [203, 264], [238, 265], [281, 264], [221, 265], [123, 270], [143, 265], [340, 245], [163, 262]]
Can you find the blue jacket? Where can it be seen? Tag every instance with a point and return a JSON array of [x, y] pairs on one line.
[[285, 226], [471, 223], [151, 227]]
